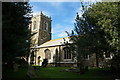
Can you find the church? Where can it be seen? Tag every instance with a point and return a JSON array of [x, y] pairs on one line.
[[54, 51]]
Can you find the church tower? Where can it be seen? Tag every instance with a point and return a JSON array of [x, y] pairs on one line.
[[41, 29]]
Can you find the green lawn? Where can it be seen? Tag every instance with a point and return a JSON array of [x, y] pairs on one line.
[[57, 72]]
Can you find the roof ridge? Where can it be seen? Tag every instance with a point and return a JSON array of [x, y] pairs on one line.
[[56, 39]]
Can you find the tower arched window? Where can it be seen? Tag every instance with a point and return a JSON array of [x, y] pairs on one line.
[[47, 54], [67, 53], [34, 25]]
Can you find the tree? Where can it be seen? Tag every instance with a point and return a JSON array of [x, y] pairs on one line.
[[97, 30], [82, 36], [106, 16], [15, 30]]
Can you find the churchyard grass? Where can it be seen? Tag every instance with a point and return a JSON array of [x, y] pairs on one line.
[[59, 73]]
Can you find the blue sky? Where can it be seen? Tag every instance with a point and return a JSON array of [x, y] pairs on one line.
[[62, 13]]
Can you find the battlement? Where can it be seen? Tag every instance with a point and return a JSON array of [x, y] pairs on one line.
[[42, 15], [45, 15]]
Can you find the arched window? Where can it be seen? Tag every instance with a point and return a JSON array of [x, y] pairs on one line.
[[34, 25], [47, 54], [67, 53]]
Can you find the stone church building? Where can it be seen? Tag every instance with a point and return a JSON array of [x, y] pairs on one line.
[[55, 51]]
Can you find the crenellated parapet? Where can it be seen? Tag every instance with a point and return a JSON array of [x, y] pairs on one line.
[[45, 15]]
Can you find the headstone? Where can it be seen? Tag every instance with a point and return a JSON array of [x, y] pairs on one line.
[[74, 65], [15, 66], [31, 73]]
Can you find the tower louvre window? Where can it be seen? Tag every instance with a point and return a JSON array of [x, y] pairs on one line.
[[45, 25]]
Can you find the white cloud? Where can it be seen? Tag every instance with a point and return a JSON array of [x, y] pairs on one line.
[[59, 30], [62, 34], [47, 13], [55, 4], [35, 13]]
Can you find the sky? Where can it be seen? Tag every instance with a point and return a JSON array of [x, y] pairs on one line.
[[62, 14]]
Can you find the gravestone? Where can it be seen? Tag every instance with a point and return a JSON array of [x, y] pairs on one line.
[[31, 73], [15, 66]]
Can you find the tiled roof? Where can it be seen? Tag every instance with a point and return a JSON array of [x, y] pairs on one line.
[[55, 42]]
